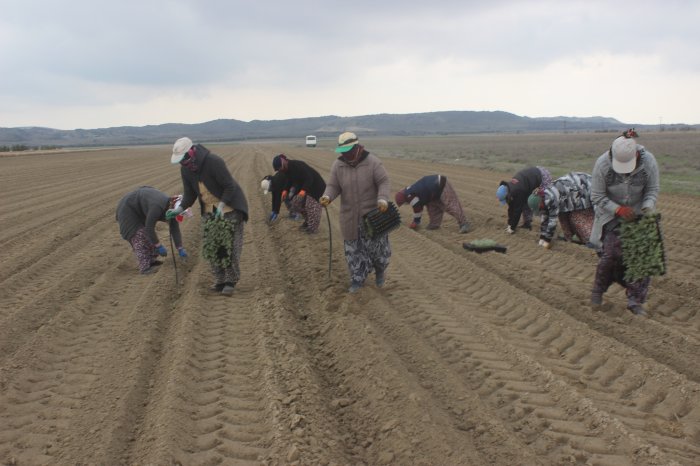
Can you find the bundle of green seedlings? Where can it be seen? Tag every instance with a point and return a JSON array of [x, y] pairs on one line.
[[643, 248], [483, 245], [218, 241]]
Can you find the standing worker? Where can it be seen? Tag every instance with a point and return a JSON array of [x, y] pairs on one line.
[[438, 195], [516, 191], [206, 177], [137, 214], [569, 200], [362, 183], [308, 185], [625, 184]]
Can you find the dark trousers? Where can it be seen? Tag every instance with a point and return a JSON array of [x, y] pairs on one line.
[[611, 269]]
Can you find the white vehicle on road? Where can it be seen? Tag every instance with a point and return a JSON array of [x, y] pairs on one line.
[[310, 141]]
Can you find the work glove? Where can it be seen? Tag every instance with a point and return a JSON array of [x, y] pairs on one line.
[[160, 249], [509, 230], [172, 213], [625, 212], [414, 225], [182, 252], [301, 194], [273, 217], [219, 213], [324, 201], [648, 210], [545, 244], [382, 205], [284, 194]]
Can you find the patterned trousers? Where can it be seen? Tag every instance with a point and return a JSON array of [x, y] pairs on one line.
[[232, 273], [143, 249], [578, 222], [611, 270], [448, 202], [546, 183], [365, 254], [310, 209]]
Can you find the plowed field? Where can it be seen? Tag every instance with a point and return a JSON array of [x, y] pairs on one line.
[[461, 359]]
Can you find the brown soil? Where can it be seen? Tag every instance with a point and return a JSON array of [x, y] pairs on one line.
[[462, 358]]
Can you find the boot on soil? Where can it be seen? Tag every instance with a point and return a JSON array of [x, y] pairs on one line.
[[354, 287], [227, 289], [596, 300], [217, 288], [433, 227], [150, 270], [636, 309], [465, 228], [380, 279]]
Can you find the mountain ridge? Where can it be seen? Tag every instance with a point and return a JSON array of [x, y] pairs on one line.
[[383, 124]]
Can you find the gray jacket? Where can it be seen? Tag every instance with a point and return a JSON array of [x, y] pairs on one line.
[[569, 193], [610, 190], [359, 188], [142, 208]]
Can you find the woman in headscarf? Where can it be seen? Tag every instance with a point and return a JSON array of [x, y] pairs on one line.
[[362, 183]]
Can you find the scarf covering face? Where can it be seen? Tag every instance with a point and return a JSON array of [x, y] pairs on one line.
[[190, 160], [353, 156]]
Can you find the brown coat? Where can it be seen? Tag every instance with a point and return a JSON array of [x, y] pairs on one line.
[[359, 188]]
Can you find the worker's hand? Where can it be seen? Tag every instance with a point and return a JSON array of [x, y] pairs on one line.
[[648, 210], [509, 230], [172, 213], [284, 194], [382, 205], [325, 200], [414, 225], [182, 252], [160, 249], [625, 212], [545, 244], [273, 217], [301, 194]]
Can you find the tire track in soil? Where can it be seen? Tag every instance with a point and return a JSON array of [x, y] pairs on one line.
[[522, 327]]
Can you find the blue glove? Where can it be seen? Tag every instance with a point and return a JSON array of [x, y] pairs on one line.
[[160, 249], [172, 213], [181, 252], [219, 213], [273, 217]]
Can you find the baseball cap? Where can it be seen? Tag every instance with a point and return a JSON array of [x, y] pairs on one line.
[[180, 148], [624, 154], [346, 141]]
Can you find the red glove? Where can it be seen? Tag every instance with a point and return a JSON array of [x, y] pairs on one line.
[[284, 194], [301, 194], [625, 212], [413, 225]]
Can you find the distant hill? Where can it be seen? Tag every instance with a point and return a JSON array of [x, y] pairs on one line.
[[432, 123]]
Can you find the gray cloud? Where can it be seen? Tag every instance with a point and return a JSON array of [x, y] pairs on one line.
[[71, 52]]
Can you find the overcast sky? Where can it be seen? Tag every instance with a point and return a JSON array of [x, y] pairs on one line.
[[91, 64]]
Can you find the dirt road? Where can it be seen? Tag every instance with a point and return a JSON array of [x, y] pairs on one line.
[[461, 359]]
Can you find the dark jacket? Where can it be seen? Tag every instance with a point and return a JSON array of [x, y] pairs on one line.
[[278, 183], [424, 191], [143, 208], [519, 189], [301, 176], [212, 171]]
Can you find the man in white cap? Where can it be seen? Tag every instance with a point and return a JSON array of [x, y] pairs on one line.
[[362, 183], [206, 178], [625, 184]]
